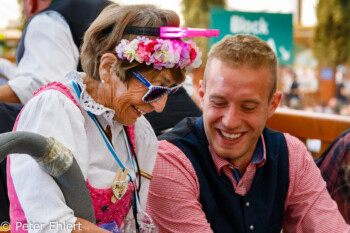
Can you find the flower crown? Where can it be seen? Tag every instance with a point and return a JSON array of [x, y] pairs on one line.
[[161, 52]]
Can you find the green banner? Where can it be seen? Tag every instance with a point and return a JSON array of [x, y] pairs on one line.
[[275, 29]]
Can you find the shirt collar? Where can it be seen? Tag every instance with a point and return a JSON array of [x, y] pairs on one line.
[[259, 156], [88, 103]]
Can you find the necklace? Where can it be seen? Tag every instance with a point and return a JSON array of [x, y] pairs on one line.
[[120, 185]]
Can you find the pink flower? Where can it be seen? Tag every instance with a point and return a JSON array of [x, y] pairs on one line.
[[160, 52], [142, 53], [193, 54], [150, 46]]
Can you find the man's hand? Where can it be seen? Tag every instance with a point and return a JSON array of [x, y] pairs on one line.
[[7, 95]]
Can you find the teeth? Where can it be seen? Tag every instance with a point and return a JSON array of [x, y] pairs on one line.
[[139, 110], [230, 136]]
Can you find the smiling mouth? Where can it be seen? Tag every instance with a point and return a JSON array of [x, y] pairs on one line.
[[230, 136], [139, 111]]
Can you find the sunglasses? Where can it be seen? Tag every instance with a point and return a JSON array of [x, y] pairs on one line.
[[154, 93]]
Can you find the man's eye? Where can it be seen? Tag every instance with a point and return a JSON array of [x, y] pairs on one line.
[[219, 104], [248, 108]]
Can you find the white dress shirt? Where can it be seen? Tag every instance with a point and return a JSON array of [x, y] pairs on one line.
[[52, 114], [7, 68], [49, 54]]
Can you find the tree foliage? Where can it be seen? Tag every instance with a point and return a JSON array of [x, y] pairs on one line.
[[332, 33], [22, 18], [196, 14]]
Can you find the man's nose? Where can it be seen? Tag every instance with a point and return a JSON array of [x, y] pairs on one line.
[[231, 118]]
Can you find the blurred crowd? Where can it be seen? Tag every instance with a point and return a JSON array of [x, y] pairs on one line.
[[300, 89]]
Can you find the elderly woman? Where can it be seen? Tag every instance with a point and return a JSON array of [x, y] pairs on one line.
[[98, 115]]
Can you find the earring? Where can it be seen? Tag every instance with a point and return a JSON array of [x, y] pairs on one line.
[[102, 81]]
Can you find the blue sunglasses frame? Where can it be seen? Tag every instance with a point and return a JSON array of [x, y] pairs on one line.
[[154, 93]]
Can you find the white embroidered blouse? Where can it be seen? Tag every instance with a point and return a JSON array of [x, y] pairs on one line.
[[52, 114]]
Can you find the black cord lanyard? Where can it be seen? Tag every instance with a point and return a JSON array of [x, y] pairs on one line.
[[136, 160], [132, 149], [136, 193], [139, 187]]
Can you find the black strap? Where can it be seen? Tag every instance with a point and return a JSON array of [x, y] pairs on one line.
[[138, 188], [136, 160], [144, 31]]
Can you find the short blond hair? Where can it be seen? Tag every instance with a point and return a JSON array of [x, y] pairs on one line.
[[238, 50], [106, 32]]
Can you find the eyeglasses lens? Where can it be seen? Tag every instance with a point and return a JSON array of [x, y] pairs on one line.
[[155, 93], [174, 90]]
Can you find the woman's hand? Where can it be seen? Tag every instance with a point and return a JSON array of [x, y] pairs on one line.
[[84, 226]]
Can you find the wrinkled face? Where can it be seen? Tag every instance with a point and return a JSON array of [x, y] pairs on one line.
[[126, 99], [235, 109]]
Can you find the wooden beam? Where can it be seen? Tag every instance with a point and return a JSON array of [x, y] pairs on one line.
[[309, 125]]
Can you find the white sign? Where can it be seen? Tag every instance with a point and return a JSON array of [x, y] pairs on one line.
[[239, 24]]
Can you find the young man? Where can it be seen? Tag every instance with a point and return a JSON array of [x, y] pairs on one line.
[[225, 171]]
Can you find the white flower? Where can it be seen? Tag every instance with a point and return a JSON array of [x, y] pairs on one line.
[[131, 49]]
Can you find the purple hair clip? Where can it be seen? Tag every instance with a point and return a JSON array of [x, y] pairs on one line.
[[183, 32], [171, 32]]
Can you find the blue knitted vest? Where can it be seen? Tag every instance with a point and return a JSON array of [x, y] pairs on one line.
[[262, 208]]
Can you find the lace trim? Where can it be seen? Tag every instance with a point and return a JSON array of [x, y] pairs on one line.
[[88, 103]]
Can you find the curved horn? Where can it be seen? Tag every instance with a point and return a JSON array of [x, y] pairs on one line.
[[58, 161]]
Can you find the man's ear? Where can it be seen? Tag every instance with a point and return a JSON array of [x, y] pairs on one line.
[[274, 102], [33, 6], [106, 64], [201, 92]]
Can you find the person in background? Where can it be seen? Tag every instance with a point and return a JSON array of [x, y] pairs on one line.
[[341, 94], [294, 94], [49, 45], [47, 50], [98, 115], [342, 98], [179, 106], [227, 172], [334, 165]]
